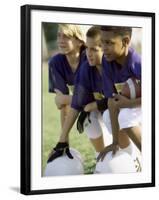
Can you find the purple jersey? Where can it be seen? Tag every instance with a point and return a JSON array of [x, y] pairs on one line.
[[60, 73], [113, 73], [88, 86]]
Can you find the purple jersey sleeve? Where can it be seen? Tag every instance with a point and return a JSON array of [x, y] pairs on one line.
[[108, 81], [60, 73], [56, 75], [135, 66], [82, 91], [114, 73]]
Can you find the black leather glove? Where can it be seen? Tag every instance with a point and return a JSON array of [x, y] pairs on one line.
[[59, 150], [102, 104], [81, 120]]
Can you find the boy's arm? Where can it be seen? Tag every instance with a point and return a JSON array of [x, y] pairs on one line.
[[69, 122], [124, 102], [62, 99], [114, 111], [99, 105], [91, 107], [135, 102], [63, 146]]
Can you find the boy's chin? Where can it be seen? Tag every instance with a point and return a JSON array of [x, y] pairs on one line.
[[109, 59], [64, 51], [91, 63]]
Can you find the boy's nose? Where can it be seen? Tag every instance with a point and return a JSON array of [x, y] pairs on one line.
[[88, 53], [105, 49]]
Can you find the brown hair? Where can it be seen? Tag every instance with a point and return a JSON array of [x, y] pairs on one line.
[[94, 32]]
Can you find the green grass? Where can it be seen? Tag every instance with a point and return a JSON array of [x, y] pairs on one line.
[[51, 130]]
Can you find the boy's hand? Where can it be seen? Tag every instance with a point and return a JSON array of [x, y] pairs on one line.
[[119, 101], [80, 121], [124, 102], [90, 107], [111, 147], [59, 150], [59, 101]]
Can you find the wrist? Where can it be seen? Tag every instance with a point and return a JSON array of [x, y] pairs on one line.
[[135, 102], [102, 104], [63, 138], [115, 142], [67, 99], [94, 106]]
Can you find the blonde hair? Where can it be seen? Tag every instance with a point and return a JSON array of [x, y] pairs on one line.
[[72, 30]]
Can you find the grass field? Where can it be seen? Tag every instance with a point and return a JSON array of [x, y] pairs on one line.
[[51, 130]]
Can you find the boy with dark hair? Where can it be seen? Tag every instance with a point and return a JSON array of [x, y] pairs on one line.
[[122, 62]]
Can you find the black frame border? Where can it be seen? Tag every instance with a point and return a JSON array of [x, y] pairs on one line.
[[25, 154]]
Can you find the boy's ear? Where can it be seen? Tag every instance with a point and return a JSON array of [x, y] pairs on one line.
[[126, 41]]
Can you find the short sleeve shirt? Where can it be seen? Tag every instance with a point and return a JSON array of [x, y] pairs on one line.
[[113, 73], [88, 86], [61, 75]]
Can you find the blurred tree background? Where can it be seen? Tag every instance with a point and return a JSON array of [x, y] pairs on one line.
[[49, 36]]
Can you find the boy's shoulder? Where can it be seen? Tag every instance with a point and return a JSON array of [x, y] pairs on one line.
[[57, 58], [134, 57], [134, 63], [85, 67]]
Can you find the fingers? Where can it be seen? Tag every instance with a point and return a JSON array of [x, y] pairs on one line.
[[58, 91], [55, 155], [59, 106], [101, 156], [80, 121], [60, 149], [80, 127], [115, 149], [86, 109], [68, 153], [104, 152], [112, 147]]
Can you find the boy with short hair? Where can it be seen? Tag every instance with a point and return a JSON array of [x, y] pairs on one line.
[[121, 63], [88, 96]]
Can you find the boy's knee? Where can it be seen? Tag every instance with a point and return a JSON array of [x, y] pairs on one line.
[[123, 116], [92, 126], [124, 119]]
